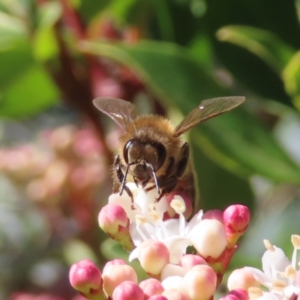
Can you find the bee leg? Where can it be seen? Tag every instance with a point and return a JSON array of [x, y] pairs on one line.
[[168, 184], [181, 165], [148, 189], [129, 193], [118, 166]]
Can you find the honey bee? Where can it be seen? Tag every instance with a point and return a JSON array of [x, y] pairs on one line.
[[151, 152]]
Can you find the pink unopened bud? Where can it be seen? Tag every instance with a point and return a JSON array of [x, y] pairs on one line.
[[209, 238], [236, 219], [86, 143], [215, 214], [153, 256], [230, 297], [238, 294], [61, 139], [158, 297], [241, 279], [175, 295], [151, 287], [190, 260], [115, 274], [111, 218], [128, 290], [113, 262], [85, 277], [200, 282]]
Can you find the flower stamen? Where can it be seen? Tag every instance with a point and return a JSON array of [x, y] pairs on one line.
[[290, 272], [268, 245], [178, 204], [255, 292], [154, 216], [279, 285], [296, 241]]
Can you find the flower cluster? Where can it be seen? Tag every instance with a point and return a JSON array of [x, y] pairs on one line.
[[279, 278], [67, 158], [184, 259], [66, 165]]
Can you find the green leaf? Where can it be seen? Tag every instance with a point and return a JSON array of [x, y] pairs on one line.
[[25, 87], [14, 61], [239, 143], [235, 140], [120, 9], [291, 78], [167, 68], [45, 43], [218, 187], [262, 43], [12, 30], [30, 92]]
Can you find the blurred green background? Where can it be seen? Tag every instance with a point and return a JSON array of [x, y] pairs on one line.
[[165, 56]]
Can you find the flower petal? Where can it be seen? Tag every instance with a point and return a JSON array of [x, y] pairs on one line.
[[261, 277], [274, 261], [177, 247]]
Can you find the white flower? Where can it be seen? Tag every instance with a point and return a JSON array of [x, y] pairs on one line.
[[279, 273], [144, 204], [174, 233]]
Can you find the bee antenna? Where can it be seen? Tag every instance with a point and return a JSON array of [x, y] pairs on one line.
[[154, 176]]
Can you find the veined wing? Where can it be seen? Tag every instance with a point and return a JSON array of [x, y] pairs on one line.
[[121, 111], [206, 110]]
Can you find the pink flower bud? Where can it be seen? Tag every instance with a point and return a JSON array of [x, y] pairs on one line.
[[61, 139], [238, 294], [113, 262], [230, 297], [158, 297], [241, 279], [111, 218], [28, 296], [215, 214], [200, 282], [128, 290], [209, 238], [85, 277], [175, 295], [86, 144], [190, 260], [115, 274], [151, 287], [153, 256], [236, 218]]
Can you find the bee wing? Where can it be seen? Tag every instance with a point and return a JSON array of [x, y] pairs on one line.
[[206, 110], [121, 111]]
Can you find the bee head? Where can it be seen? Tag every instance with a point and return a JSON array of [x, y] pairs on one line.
[[145, 157]]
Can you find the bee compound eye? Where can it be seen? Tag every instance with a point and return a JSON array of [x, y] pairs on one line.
[[162, 154], [156, 155], [133, 151], [126, 149]]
